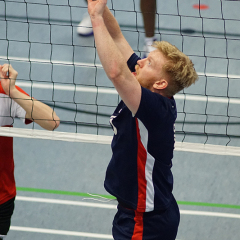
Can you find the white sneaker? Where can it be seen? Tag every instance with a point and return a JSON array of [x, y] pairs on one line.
[[84, 28], [148, 48]]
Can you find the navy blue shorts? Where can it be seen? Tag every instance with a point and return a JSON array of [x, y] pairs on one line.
[[6, 211], [156, 225]]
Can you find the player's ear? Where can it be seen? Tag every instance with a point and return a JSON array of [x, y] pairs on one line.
[[160, 84]]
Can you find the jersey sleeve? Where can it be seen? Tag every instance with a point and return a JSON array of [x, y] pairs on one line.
[[132, 61], [155, 109]]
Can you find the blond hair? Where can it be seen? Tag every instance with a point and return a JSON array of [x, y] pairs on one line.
[[178, 67]]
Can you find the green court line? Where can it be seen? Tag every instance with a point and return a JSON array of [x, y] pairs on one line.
[[201, 204], [25, 189]]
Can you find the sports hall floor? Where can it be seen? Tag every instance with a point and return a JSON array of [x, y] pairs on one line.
[[53, 176]]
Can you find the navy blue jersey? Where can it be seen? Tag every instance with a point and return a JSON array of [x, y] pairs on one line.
[[139, 173]]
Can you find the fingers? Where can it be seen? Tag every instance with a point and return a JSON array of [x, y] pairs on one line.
[[7, 71], [2, 72]]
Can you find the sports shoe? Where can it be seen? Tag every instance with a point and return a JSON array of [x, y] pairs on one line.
[[148, 47], [84, 28]]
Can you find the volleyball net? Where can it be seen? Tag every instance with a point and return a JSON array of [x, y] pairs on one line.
[[62, 69]]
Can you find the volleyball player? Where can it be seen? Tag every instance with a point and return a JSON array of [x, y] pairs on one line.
[[139, 173], [14, 102]]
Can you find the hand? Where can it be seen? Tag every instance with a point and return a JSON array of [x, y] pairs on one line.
[[8, 78], [96, 7]]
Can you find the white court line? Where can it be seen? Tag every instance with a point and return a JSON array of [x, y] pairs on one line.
[[189, 97], [102, 139], [66, 87], [61, 232], [207, 149], [112, 206], [219, 75], [38, 60], [210, 214], [54, 135], [66, 202]]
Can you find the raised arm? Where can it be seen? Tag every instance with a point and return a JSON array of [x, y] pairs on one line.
[[112, 58], [35, 110], [116, 34]]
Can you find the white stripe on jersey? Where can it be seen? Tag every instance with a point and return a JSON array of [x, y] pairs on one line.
[[148, 168]]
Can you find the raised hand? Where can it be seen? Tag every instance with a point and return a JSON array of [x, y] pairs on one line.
[[96, 7], [8, 78]]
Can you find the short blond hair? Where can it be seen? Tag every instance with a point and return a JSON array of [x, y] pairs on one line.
[[178, 67]]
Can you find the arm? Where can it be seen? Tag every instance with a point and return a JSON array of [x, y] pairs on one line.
[[112, 59], [116, 34], [35, 110], [148, 8]]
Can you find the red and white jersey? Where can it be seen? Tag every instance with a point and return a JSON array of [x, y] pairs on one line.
[[9, 110]]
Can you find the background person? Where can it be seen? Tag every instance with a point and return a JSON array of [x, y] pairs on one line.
[[148, 8]]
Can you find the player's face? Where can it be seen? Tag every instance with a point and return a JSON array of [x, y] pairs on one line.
[[149, 70]]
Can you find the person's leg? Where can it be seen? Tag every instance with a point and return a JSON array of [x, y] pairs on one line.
[[84, 28], [148, 8], [6, 211], [130, 225], [162, 225], [123, 224]]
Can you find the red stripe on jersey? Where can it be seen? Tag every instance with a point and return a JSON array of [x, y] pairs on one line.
[[1, 89], [18, 88], [141, 163], [138, 228]]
